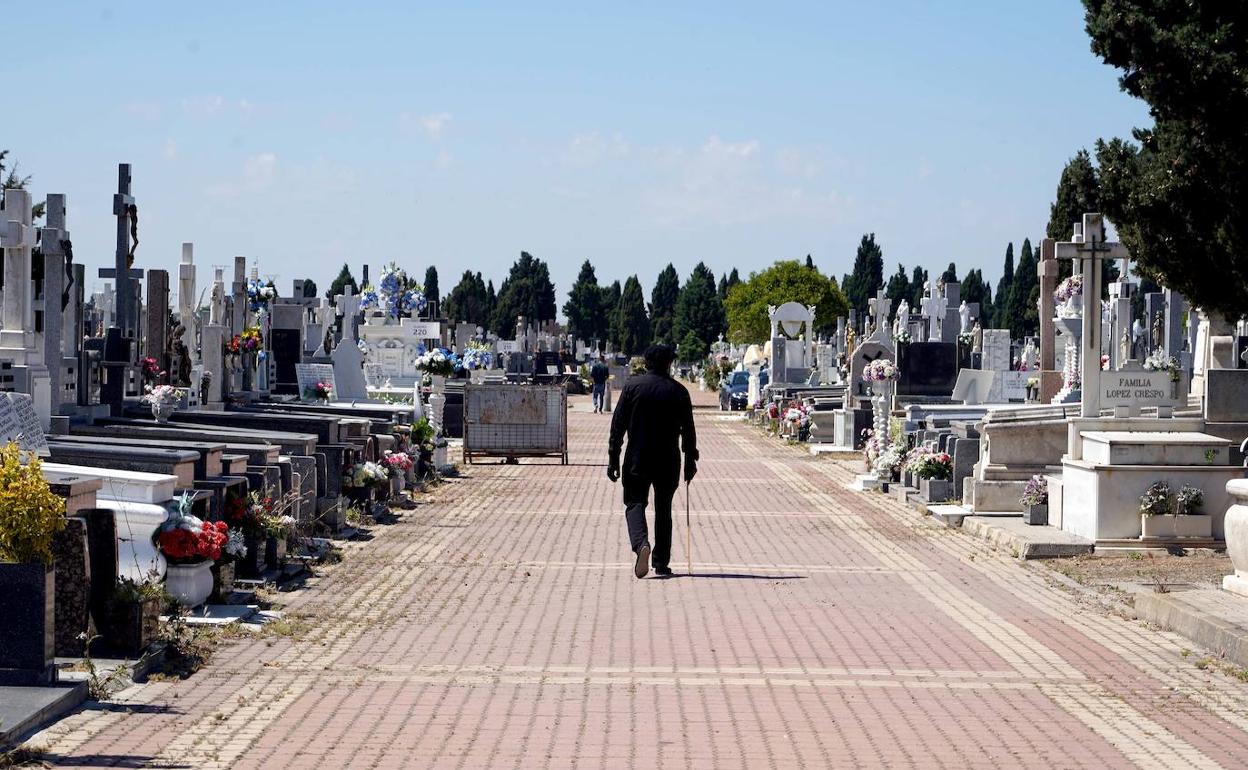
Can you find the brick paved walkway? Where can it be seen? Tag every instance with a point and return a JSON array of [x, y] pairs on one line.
[[502, 627]]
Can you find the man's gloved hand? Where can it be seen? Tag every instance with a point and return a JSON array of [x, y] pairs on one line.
[[613, 469], [691, 469]]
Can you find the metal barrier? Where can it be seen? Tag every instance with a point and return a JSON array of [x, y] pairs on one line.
[[512, 421]]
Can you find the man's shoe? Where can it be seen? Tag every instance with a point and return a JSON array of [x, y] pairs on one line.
[[643, 561], [663, 571]]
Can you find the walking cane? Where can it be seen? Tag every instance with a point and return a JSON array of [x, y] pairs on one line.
[[688, 533]]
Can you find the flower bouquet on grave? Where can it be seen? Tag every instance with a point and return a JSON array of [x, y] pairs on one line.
[[1068, 297], [319, 391], [1035, 492], [364, 475], [259, 295], [150, 369], [902, 337], [880, 370], [926, 464], [478, 356], [1189, 500], [888, 463], [369, 298], [1156, 499], [966, 339], [397, 462], [1158, 361], [163, 399], [438, 362]]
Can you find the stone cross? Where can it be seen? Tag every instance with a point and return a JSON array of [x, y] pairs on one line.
[[186, 287], [239, 315], [1088, 248], [57, 283], [880, 306], [1048, 269], [17, 238], [348, 305], [216, 314]]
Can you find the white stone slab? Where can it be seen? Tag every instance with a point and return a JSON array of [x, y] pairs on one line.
[[125, 486], [137, 523], [1154, 448]]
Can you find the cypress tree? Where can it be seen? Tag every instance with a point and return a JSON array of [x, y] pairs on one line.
[[663, 298], [631, 319], [431, 286], [584, 306], [699, 310]]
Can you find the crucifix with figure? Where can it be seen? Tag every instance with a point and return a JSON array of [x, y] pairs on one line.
[[1088, 248], [127, 315]]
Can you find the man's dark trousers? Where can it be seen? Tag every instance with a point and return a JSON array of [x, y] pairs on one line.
[[636, 491]]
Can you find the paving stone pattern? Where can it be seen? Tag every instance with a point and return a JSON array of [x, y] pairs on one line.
[[502, 627]]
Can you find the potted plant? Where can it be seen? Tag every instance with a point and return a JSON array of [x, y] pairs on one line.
[[438, 363], [361, 479], [190, 546], [133, 616], [935, 473], [164, 399], [243, 514], [30, 515], [1035, 500], [1166, 515], [400, 466], [277, 530]]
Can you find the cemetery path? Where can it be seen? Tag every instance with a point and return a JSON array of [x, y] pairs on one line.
[[502, 627]]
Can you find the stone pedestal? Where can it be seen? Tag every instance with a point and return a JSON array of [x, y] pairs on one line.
[[1236, 530]]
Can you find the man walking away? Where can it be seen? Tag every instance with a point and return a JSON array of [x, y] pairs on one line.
[[656, 413], [598, 375]]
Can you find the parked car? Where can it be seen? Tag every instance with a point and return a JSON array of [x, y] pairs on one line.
[[734, 390]]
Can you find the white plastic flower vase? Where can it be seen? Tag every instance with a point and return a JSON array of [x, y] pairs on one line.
[[189, 584]]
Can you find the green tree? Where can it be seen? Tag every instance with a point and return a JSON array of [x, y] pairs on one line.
[[1020, 311], [726, 282], [698, 309], [431, 286], [610, 304], [12, 179], [631, 322], [785, 281], [1179, 198], [491, 302], [340, 283], [584, 306], [951, 274], [1001, 312], [309, 289], [692, 348], [898, 289], [810, 262], [663, 298], [1078, 193], [468, 301], [868, 273], [976, 289], [527, 291]]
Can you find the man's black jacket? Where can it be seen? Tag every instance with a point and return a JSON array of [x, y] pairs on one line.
[[657, 414]]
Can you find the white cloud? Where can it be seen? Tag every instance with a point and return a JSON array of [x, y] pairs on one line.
[[592, 148], [433, 125], [726, 183], [257, 174], [147, 110], [213, 105], [171, 149], [925, 168]]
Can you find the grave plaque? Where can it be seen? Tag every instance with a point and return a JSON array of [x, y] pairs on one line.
[[308, 375], [508, 346], [20, 422], [1136, 389], [424, 330]]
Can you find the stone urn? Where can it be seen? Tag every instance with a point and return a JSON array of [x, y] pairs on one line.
[[162, 411], [189, 584], [1236, 531]]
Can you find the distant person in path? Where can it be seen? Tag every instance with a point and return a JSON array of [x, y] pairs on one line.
[[598, 375], [656, 414]]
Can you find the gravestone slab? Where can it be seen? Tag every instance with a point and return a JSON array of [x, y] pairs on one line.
[[307, 375], [19, 422], [928, 369]]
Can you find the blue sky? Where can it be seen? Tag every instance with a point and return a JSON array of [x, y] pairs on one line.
[[460, 134]]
